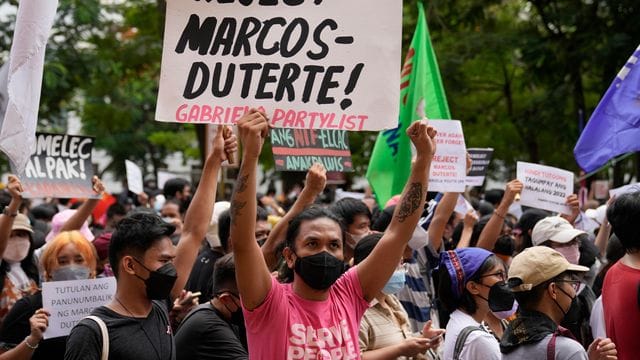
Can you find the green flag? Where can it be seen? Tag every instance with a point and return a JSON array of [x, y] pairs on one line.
[[421, 95]]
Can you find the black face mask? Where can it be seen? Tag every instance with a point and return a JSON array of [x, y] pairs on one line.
[[320, 270], [572, 315], [501, 298], [160, 281]]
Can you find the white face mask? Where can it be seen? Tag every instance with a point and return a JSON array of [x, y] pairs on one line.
[[17, 249], [571, 253]]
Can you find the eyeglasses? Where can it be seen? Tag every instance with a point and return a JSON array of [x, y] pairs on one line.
[[501, 274], [575, 284]]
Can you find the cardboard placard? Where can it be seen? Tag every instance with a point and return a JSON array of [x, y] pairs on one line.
[[134, 177], [448, 167], [61, 167], [545, 187], [298, 149], [70, 301], [307, 64], [480, 160]]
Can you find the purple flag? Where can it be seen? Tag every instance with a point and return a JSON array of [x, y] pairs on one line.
[[614, 127]]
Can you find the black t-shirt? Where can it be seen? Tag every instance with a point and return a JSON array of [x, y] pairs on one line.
[[204, 334], [15, 328], [201, 276], [147, 338]]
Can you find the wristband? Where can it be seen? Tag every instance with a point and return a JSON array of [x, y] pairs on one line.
[[8, 213], [32, 347]]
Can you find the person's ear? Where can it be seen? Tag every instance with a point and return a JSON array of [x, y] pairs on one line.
[[127, 265], [289, 257], [552, 289], [472, 287]]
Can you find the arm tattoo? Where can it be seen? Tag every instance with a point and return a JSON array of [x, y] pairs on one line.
[[234, 211], [410, 202], [242, 183]]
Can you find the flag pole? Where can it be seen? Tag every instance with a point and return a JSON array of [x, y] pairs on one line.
[[609, 163]]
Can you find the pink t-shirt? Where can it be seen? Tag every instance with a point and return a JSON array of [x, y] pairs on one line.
[[287, 326]]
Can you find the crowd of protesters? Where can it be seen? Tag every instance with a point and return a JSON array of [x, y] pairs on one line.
[[256, 278]]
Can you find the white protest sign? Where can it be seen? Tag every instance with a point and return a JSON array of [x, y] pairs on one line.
[[307, 64], [631, 188], [545, 187], [449, 164], [70, 301], [134, 177], [462, 206]]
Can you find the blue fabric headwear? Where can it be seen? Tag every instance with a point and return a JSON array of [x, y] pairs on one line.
[[462, 264]]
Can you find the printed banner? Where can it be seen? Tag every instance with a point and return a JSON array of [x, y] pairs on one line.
[[298, 149], [70, 301], [61, 167], [307, 64], [449, 165], [480, 160], [545, 187]]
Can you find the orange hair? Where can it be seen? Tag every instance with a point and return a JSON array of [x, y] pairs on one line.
[[49, 256]]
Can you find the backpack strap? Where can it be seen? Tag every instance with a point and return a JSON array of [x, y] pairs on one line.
[[551, 347], [105, 336], [462, 338]]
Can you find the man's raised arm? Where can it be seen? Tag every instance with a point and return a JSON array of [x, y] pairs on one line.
[[376, 269], [252, 274], [196, 221]]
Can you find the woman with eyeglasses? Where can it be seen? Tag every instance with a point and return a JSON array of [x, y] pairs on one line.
[[471, 284]]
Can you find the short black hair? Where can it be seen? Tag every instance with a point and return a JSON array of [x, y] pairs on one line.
[[384, 219], [365, 246], [224, 275], [466, 302], [44, 212], [311, 213], [172, 186], [224, 229], [623, 215], [349, 208], [116, 209], [135, 234], [494, 196]]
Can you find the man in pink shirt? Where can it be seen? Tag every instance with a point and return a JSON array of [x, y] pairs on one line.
[[318, 315], [621, 289]]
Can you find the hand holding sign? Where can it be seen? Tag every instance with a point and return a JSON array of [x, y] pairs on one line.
[[253, 128], [512, 190], [423, 138], [224, 145], [574, 204], [97, 185], [38, 324], [230, 143]]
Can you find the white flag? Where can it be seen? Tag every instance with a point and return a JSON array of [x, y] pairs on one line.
[[26, 62]]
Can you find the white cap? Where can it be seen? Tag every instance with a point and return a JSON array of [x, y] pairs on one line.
[[554, 228]]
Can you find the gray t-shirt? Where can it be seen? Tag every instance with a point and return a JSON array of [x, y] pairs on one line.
[[566, 349]]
